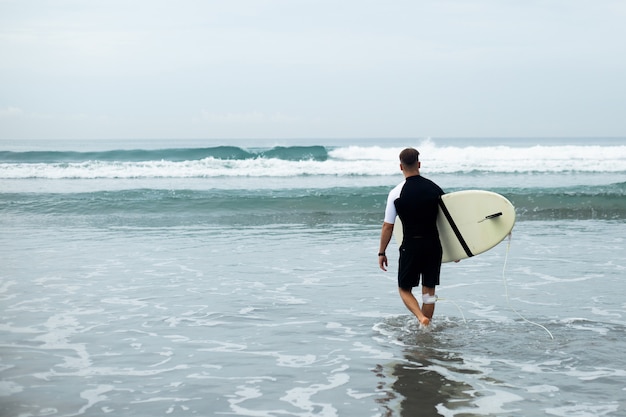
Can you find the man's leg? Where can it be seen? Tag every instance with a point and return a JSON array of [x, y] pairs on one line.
[[411, 303], [428, 308]]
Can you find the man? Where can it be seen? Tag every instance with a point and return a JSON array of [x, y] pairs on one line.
[[415, 201]]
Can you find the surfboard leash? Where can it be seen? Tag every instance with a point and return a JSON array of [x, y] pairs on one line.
[[457, 306], [506, 290]]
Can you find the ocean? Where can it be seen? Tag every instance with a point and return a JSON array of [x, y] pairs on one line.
[[240, 278]]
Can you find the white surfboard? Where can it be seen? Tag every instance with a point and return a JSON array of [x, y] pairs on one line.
[[470, 222]]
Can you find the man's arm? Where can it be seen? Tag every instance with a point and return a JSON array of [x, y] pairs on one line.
[[385, 237]]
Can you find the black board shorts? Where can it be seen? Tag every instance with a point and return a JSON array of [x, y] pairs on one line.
[[419, 258]]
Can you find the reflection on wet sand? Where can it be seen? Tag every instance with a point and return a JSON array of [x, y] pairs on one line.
[[420, 385]]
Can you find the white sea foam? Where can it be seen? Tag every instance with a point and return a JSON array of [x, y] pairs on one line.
[[371, 351], [584, 410], [345, 161], [8, 388], [93, 396], [244, 393], [537, 389], [597, 373], [301, 397], [295, 361], [490, 312], [60, 330]]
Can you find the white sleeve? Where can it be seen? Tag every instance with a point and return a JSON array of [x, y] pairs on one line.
[[390, 209]]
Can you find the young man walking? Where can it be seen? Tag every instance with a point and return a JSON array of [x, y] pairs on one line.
[[416, 202]]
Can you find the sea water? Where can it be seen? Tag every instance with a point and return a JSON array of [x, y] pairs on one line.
[[240, 278]]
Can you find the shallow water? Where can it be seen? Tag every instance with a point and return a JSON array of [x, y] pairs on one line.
[[279, 320], [143, 288]]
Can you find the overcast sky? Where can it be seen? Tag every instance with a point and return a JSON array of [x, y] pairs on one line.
[[311, 68]]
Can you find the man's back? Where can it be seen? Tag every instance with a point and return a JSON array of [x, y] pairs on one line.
[[417, 207]]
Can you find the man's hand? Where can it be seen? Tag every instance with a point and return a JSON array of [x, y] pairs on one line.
[[382, 262], [385, 237]]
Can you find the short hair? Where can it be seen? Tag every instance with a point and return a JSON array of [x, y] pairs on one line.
[[409, 157]]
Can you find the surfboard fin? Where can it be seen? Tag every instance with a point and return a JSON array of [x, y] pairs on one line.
[[491, 216]]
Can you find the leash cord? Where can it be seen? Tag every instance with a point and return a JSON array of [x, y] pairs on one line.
[[506, 291]]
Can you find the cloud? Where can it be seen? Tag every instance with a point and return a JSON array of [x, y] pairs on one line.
[[11, 112], [253, 117], [305, 68]]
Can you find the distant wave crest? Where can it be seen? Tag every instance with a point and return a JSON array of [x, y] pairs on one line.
[[226, 161], [290, 153]]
